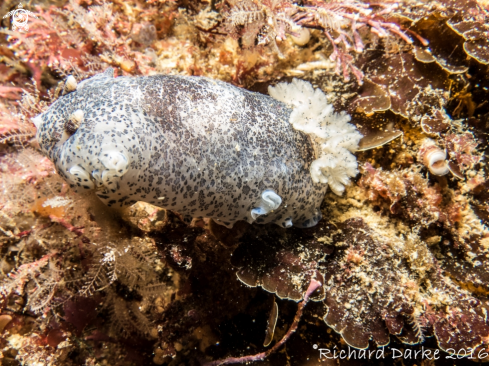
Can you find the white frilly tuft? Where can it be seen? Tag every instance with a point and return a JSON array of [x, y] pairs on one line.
[[334, 137]]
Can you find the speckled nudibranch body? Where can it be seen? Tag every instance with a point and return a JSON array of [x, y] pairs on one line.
[[194, 145]]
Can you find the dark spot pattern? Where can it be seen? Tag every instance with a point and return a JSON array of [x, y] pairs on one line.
[[195, 145]]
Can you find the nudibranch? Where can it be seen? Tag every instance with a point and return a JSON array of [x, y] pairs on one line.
[[201, 147]]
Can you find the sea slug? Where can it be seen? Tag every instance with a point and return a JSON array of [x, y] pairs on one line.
[[201, 147]]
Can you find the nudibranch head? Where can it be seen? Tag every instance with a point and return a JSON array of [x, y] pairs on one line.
[[200, 147], [66, 133]]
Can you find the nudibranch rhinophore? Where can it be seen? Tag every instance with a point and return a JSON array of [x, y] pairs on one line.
[[201, 147]]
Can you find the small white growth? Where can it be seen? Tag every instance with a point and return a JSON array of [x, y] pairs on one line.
[[288, 223], [37, 120], [334, 137], [81, 176], [97, 177], [74, 121], [116, 165], [114, 160], [269, 201], [301, 36], [433, 157], [57, 201], [71, 83], [436, 162], [77, 116]]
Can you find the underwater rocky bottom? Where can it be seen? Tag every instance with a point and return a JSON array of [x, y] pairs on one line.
[[148, 288], [400, 259]]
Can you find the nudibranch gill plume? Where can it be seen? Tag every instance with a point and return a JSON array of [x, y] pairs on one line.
[[201, 147]]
